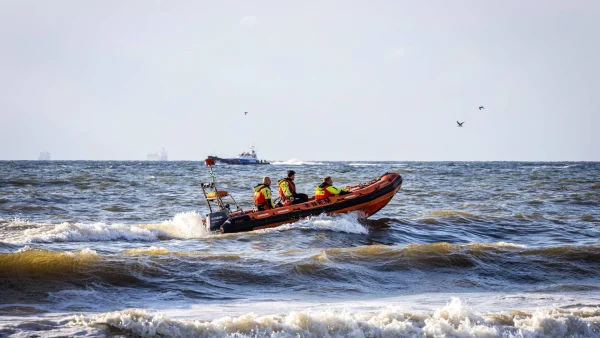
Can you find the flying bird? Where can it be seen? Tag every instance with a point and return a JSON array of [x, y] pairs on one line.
[[245, 113], [481, 107], [460, 123]]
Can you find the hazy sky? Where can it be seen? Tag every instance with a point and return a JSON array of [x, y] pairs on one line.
[[320, 80]]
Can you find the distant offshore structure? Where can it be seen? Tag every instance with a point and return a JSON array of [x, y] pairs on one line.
[[44, 156], [159, 156]]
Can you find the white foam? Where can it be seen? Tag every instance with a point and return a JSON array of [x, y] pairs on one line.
[[96, 232], [16, 227], [17, 221], [364, 164], [183, 225], [295, 161], [580, 322], [458, 320], [347, 223], [455, 319], [554, 166]]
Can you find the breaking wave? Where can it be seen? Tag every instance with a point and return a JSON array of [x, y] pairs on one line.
[[294, 161], [96, 232], [71, 265], [28, 262], [456, 319], [366, 164], [481, 255], [183, 226]]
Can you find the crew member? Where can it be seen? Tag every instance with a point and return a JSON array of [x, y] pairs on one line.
[[326, 189], [262, 195], [287, 190]]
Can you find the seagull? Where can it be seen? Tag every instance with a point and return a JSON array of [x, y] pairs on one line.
[[245, 113], [460, 123], [481, 107]]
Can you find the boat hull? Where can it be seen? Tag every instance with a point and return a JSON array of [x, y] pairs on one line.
[[367, 200], [236, 161]]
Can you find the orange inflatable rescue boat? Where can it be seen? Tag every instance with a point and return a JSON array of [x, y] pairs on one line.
[[367, 198]]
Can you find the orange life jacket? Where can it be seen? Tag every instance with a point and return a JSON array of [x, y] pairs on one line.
[[290, 184], [259, 198], [321, 192]]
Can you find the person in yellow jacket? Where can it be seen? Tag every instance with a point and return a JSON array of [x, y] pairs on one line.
[[262, 195], [287, 190], [326, 189]]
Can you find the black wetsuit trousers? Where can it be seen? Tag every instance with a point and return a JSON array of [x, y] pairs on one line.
[[300, 198]]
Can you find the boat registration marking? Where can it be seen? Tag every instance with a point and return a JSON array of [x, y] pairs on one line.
[[282, 211], [262, 215]]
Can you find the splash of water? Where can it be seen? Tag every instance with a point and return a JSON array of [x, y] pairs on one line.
[[95, 232], [183, 225]]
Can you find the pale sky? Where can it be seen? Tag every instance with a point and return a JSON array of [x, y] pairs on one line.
[[320, 80]]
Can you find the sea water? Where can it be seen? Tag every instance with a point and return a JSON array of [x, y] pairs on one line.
[[464, 249]]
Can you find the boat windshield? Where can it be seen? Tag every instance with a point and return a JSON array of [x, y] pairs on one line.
[[251, 154]]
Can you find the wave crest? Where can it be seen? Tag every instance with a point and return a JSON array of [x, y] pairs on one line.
[[96, 232], [455, 319], [37, 262], [183, 225], [295, 161]]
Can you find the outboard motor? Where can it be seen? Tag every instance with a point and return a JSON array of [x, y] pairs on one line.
[[236, 224], [214, 220]]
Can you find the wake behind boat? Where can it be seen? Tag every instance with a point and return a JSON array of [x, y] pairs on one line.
[[244, 158], [367, 198]]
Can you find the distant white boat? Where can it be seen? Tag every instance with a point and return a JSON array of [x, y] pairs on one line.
[[44, 156], [245, 157], [159, 156]]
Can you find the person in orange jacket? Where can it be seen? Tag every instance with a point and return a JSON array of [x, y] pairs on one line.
[[262, 195], [326, 189], [287, 190]]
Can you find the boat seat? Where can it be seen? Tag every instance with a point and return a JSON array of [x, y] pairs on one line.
[[213, 194]]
